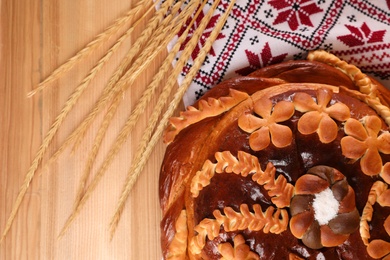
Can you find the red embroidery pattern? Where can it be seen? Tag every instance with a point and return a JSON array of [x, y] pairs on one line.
[[265, 58], [295, 12], [361, 36], [262, 32]]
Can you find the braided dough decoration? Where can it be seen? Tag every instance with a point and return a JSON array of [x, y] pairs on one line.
[[378, 248], [360, 79], [278, 189], [272, 220], [300, 111], [211, 107]]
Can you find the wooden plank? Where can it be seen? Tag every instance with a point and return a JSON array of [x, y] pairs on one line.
[[36, 37]]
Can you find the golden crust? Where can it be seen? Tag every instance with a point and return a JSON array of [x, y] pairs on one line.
[[348, 203], [385, 173], [375, 103], [364, 228], [300, 223], [202, 178], [244, 164], [278, 189], [384, 198], [310, 184], [378, 248], [360, 79], [178, 247], [376, 189], [211, 107], [239, 251], [386, 224], [365, 140], [331, 239]]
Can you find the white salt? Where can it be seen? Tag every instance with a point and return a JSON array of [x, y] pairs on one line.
[[320, 256], [325, 206]]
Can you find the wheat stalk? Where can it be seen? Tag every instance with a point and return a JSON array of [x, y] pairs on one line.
[[42, 150], [106, 121], [104, 126], [118, 79], [108, 94], [90, 47], [92, 157], [72, 100], [144, 59], [147, 95], [141, 104], [147, 144]]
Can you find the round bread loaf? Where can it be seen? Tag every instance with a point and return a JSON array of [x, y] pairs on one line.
[[290, 162]]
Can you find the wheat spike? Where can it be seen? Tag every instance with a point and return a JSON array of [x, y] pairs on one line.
[[84, 84], [69, 103], [110, 113], [90, 47], [82, 198], [117, 80], [144, 100], [106, 97], [137, 111], [42, 150], [147, 144], [96, 146], [91, 76], [94, 151]]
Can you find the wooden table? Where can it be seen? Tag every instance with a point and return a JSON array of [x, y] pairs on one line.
[[36, 37]]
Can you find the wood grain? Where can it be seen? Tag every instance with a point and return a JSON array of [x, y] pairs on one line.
[[36, 37]]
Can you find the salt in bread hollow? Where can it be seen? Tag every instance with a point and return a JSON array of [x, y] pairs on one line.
[[289, 162]]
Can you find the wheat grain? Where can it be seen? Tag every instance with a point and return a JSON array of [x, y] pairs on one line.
[[93, 45], [147, 144]]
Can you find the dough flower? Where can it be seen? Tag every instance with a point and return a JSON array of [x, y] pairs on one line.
[[265, 128], [365, 142], [318, 116], [323, 210]]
